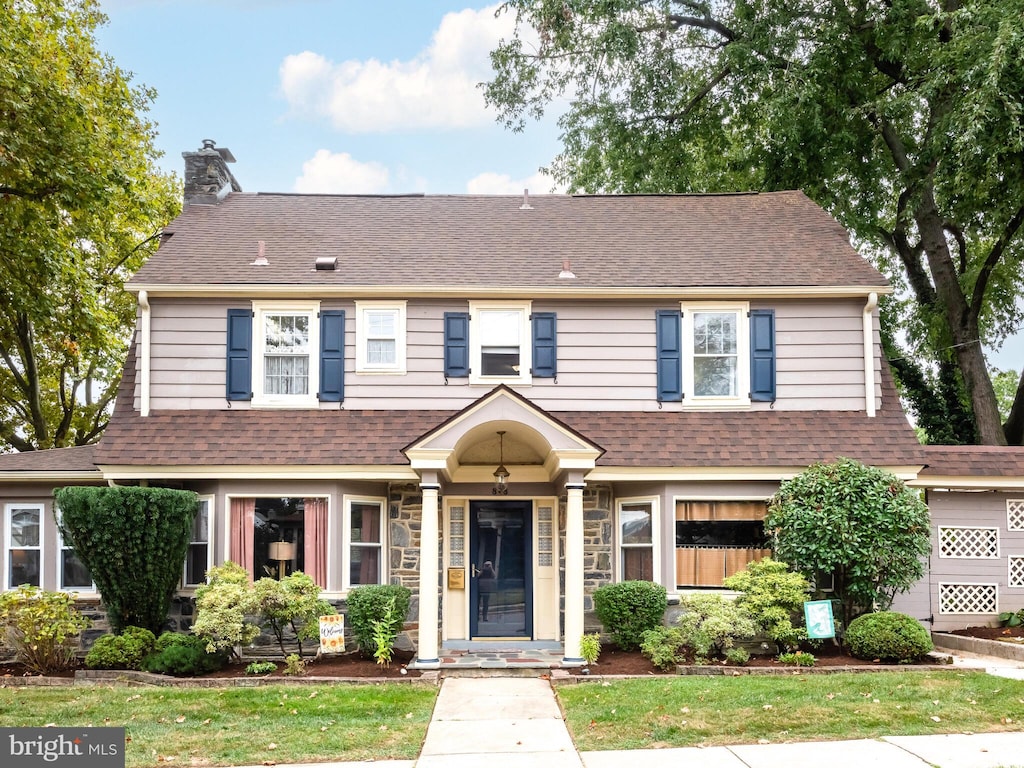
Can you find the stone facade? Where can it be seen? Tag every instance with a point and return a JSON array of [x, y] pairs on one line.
[[598, 529]]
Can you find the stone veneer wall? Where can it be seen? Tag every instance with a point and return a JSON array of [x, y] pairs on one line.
[[405, 511], [598, 530]]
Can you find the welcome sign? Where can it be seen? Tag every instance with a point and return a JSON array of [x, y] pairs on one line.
[[332, 634]]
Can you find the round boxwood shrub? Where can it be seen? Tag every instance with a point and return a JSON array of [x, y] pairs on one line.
[[628, 609], [183, 656], [124, 651], [888, 636]]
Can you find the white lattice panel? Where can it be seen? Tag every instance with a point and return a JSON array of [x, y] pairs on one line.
[[968, 598], [955, 541], [1015, 514], [1016, 576]]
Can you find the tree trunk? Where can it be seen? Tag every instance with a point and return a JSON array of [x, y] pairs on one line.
[[962, 323], [1014, 426]]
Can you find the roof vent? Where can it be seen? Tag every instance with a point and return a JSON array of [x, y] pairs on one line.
[[526, 201], [326, 263], [566, 270], [261, 254]]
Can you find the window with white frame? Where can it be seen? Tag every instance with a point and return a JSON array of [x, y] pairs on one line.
[[636, 524], [197, 560], [72, 575], [716, 365], [500, 343], [364, 536], [380, 337], [286, 343], [24, 525]]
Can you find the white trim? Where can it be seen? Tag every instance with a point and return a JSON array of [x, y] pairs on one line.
[[382, 473], [362, 336], [345, 559], [738, 308], [9, 510], [209, 500], [869, 353], [1009, 571], [261, 310], [692, 474], [145, 349], [476, 342], [655, 506], [89, 591], [458, 291], [1013, 527]]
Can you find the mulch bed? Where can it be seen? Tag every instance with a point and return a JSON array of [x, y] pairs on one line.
[[612, 661]]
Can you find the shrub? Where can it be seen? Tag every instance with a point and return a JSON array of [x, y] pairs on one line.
[[710, 624], [124, 651], [294, 665], [1011, 618], [222, 605], [628, 609], [664, 646], [771, 594], [183, 656], [737, 656], [293, 602], [888, 636], [590, 648], [42, 627], [133, 541], [372, 603], [383, 641], [860, 524], [798, 658], [261, 668]]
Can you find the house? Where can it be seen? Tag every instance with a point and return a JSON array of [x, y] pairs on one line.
[[572, 389]]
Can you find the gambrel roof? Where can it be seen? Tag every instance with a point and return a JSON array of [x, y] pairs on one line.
[[412, 244]]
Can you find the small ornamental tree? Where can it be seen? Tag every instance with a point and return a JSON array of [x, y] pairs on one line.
[[133, 541], [860, 524], [772, 595], [293, 602]]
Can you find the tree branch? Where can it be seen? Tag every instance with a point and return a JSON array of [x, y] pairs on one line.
[[998, 248], [692, 104], [38, 195]]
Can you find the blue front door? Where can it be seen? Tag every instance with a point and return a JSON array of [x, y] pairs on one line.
[[500, 557]]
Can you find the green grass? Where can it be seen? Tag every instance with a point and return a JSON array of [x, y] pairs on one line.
[[238, 726], [714, 711]]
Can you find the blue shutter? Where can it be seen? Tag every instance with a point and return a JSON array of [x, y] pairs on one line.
[[456, 344], [762, 354], [239, 360], [332, 355], [670, 359], [545, 350]]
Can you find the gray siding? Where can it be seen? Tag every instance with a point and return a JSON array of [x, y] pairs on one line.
[[981, 510], [605, 358]]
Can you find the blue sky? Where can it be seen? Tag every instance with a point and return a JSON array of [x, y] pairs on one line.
[[338, 95], [330, 96]]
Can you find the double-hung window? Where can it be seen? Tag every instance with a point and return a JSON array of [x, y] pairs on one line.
[[364, 541], [637, 521], [197, 561], [500, 348], [380, 337], [24, 525], [286, 343], [72, 575], [715, 353]]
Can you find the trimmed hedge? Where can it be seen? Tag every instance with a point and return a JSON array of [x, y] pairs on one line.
[[630, 608], [888, 636], [369, 604]]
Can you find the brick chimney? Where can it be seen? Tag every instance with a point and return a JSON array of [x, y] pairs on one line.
[[207, 177]]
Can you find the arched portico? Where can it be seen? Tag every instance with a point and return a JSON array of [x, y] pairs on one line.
[[462, 517]]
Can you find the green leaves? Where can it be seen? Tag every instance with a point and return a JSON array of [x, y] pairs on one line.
[[133, 541], [42, 626], [80, 205], [860, 524]]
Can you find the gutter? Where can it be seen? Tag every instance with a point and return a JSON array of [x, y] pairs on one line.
[[145, 357], [869, 356]]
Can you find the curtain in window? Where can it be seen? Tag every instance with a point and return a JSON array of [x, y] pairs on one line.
[[243, 529], [315, 521]]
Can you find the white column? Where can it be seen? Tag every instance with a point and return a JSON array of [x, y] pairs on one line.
[[573, 573], [426, 655]]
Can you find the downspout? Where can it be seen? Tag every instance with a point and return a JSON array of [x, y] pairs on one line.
[[869, 353], [144, 385]]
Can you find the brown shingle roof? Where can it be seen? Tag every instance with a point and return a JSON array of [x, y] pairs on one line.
[[973, 461], [76, 459], [778, 239]]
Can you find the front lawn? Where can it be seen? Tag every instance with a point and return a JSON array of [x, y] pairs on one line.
[[713, 711], [238, 726]]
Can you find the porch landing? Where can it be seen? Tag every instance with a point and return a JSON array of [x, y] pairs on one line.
[[508, 658]]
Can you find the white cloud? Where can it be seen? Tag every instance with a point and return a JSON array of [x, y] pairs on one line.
[[435, 89], [330, 172], [503, 184]]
